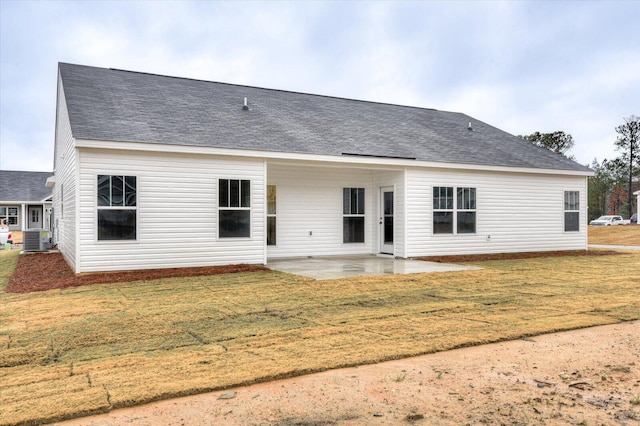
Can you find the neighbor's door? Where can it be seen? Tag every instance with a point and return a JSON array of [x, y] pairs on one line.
[[35, 217], [386, 220]]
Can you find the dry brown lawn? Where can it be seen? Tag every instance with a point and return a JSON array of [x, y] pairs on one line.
[[77, 351], [624, 235]]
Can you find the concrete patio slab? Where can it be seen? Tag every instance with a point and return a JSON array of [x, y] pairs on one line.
[[335, 267]]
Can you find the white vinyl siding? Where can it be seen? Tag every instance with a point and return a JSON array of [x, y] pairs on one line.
[[65, 165], [177, 211], [515, 212], [310, 210]]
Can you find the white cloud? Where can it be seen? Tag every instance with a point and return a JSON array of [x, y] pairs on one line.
[[520, 66]]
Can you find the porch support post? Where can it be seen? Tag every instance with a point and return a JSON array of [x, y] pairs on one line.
[[23, 217]]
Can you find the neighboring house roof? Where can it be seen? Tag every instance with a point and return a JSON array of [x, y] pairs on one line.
[[24, 186], [117, 105]]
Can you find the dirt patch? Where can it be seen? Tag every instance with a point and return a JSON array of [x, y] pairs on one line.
[[49, 271], [513, 256], [582, 377]]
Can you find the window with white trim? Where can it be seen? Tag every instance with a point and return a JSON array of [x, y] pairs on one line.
[[234, 208], [466, 211], [571, 211], [9, 215], [353, 215], [271, 215], [454, 214], [117, 207]]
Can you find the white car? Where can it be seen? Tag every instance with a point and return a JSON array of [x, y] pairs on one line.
[[608, 221]]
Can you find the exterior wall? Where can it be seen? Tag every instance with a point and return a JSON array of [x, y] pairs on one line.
[[65, 219], [309, 208], [516, 212], [176, 211]]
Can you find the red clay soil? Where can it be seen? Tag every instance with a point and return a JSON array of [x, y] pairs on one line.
[[48, 271]]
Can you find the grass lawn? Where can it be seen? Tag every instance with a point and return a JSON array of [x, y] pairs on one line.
[[66, 353], [624, 235]]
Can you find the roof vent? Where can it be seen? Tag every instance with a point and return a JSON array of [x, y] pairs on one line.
[[470, 128], [246, 106]]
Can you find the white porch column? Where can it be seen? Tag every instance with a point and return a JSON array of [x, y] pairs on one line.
[[23, 217]]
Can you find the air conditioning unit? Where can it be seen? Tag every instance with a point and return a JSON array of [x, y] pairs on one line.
[[35, 240]]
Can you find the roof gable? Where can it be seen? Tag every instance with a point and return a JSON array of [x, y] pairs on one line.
[[116, 105], [24, 186]]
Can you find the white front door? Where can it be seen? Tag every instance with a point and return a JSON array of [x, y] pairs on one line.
[[386, 220], [35, 217]]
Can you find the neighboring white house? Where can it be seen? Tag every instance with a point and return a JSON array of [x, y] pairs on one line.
[[25, 200], [156, 172]]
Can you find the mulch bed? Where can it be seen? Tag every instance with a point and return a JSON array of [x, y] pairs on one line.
[[48, 271], [512, 256]]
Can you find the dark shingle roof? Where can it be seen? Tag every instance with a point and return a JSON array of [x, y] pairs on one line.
[[116, 105], [24, 186]]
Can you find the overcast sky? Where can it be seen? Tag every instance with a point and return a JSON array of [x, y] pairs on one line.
[[519, 66]]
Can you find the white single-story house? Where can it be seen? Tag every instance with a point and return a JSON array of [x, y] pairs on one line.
[[25, 200], [154, 171]]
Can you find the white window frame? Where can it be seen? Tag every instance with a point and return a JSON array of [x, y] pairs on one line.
[[228, 207], [571, 204], [7, 215], [451, 205], [35, 214], [273, 214], [98, 207], [440, 208], [473, 206], [351, 214]]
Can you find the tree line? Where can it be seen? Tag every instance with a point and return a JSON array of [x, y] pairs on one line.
[[611, 188]]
